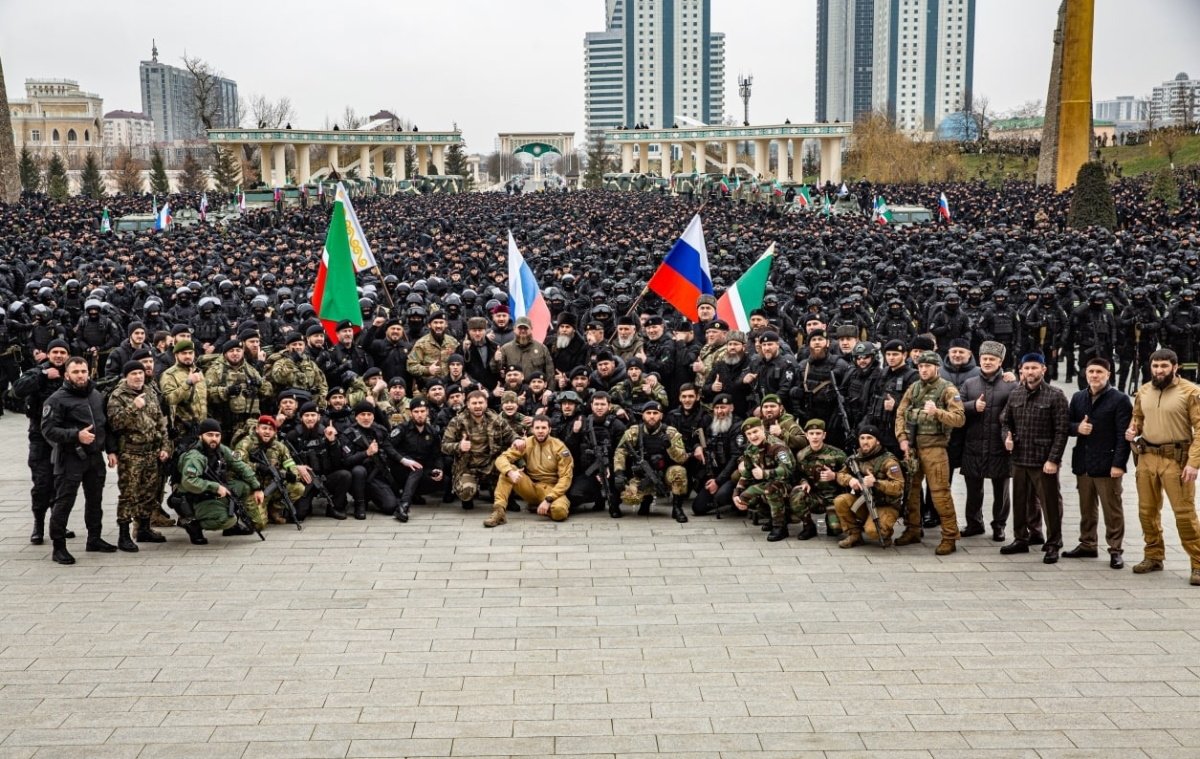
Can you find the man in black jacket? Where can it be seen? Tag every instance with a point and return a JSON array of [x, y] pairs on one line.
[[366, 451], [423, 465], [73, 421], [33, 388], [1099, 415], [723, 445]]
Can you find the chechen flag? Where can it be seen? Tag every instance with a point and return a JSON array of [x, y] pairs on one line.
[[747, 293], [684, 276], [335, 294], [524, 295]]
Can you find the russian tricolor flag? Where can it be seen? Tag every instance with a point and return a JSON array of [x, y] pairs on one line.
[[684, 276], [524, 295], [944, 207], [163, 220]]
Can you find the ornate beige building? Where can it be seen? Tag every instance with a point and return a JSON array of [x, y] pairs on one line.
[[57, 117]]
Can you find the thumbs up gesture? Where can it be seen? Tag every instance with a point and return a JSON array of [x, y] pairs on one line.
[[86, 436], [1008, 442], [465, 444], [1085, 427], [980, 404]]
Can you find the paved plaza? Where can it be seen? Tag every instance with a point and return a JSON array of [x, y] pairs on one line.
[[594, 637]]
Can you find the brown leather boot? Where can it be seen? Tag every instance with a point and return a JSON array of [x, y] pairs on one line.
[[946, 547], [911, 535], [499, 516], [852, 539]]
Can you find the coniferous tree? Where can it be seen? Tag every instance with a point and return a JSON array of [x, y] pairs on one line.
[[159, 183], [31, 172], [456, 163], [56, 178], [1092, 204], [91, 182], [225, 171], [597, 165], [193, 178], [1166, 189]]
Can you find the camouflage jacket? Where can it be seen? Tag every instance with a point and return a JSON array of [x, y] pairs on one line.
[[426, 351], [889, 477], [141, 430], [243, 380], [631, 398], [489, 437], [188, 403], [667, 440], [773, 457], [248, 448], [809, 465], [286, 372], [790, 432], [709, 356]]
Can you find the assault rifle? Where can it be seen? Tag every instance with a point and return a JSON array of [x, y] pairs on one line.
[[277, 484], [645, 467], [318, 479], [709, 474], [600, 467], [852, 463], [234, 505]]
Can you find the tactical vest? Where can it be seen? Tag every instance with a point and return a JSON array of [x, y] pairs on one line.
[[654, 445], [921, 392], [207, 330], [1002, 324], [94, 333]]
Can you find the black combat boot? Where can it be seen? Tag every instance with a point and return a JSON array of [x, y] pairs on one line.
[[335, 513], [38, 536], [146, 534], [644, 509], [124, 542], [402, 511], [677, 509], [196, 533], [468, 504], [360, 509], [97, 544], [614, 510], [778, 532], [236, 530], [808, 531], [60, 553]]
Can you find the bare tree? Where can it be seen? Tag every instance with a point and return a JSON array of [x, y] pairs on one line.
[[10, 175], [206, 102], [1030, 109], [271, 114], [1170, 141], [350, 119]]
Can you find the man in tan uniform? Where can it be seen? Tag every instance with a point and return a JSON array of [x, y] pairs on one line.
[[929, 410], [543, 483], [1165, 433]]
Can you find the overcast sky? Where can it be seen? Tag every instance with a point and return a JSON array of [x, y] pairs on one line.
[[512, 65]]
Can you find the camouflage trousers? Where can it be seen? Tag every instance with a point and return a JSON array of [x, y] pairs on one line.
[[272, 506], [806, 504], [639, 487], [140, 486], [852, 511], [468, 482], [768, 499]]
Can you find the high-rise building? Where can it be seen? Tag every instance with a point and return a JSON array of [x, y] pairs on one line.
[[128, 130], [912, 60], [657, 62], [169, 99], [1176, 103]]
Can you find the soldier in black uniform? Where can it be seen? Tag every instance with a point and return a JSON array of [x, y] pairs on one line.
[[597, 435], [688, 417], [209, 328], [814, 396], [95, 337], [1180, 327], [419, 442], [33, 388], [367, 452], [1093, 331], [723, 445], [315, 445], [74, 423]]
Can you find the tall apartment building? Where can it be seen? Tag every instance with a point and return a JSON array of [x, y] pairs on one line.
[[1177, 102], [910, 59], [657, 62], [168, 98]]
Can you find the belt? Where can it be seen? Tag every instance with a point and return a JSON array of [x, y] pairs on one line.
[[144, 448], [1183, 444]]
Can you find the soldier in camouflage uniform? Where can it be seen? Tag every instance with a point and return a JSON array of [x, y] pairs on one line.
[[294, 369], [711, 352], [186, 393], [638, 389], [661, 447], [137, 419], [817, 465], [263, 443], [396, 406], [764, 476], [233, 387], [475, 437], [781, 424], [882, 474], [430, 355], [209, 474]]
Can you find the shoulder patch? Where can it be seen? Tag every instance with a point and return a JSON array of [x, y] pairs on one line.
[[957, 397], [894, 469], [566, 454]]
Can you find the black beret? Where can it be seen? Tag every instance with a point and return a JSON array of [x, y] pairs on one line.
[[315, 329], [307, 407], [131, 366], [138, 355], [418, 403], [230, 345], [345, 324]]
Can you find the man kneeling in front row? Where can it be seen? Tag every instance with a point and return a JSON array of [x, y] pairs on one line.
[[881, 473], [543, 483]]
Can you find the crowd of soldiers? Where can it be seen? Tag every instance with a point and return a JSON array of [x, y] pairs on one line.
[[880, 362]]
